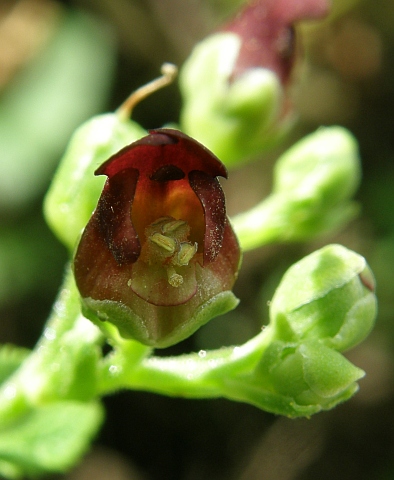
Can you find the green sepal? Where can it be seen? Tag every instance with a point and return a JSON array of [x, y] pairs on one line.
[[132, 326], [310, 373], [314, 182]]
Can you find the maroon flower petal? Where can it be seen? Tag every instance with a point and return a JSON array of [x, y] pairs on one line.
[[113, 216], [161, 148], [167, 173], [211, 196], [158, 247]]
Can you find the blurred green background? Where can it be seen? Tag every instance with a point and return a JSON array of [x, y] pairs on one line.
[[61, 63]]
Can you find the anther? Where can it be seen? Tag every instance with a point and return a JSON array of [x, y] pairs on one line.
[[170, 227], [167, 243], [186, 253]]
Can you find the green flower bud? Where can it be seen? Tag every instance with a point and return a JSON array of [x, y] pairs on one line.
[[327, 296], [75, 190], [235, 120], [313, 184], [318, 176], [309, 373]]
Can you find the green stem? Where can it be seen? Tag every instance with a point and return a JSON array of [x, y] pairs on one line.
[[197, 375], [41, 373], [264, 224]]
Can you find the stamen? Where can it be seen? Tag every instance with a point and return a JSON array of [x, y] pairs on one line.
[[170, 227], [167, 243], [186, 253]]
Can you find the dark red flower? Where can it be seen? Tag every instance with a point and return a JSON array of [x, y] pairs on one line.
[[158, 257], [266, 28]]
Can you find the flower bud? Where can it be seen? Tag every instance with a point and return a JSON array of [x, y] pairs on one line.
[[328, 297], [313, 184], [317, 177], [235, 82], [74, 191], [158, 257], [310, 374]]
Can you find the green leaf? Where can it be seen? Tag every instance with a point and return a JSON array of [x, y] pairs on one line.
[[50, 438]]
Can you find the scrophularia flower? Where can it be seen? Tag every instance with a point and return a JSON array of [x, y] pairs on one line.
[[158, 257]]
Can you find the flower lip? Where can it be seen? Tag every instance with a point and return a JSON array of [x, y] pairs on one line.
[[145, 156]]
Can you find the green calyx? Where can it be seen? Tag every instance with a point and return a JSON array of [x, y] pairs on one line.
[[147, 329], [235, 118], [314, 182]]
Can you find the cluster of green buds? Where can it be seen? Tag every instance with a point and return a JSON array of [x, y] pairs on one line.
[[158, 256], [324, 305]]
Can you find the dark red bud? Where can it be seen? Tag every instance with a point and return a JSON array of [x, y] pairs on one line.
[[266, 28]]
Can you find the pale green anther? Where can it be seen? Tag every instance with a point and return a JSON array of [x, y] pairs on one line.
[[172, 226], [160, 221], [186, 253], [166, 243]]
